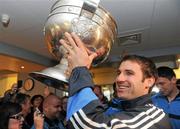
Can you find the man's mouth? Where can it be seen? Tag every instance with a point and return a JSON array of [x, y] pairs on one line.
[[122, 87]]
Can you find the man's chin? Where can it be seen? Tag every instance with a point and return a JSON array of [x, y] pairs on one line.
[[163, 93], [58, 115], [123, 97]]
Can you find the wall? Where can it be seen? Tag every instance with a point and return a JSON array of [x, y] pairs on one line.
[[102, 76], [177, 71]]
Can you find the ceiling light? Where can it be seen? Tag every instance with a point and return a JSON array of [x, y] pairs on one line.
[[22, 67], [5, 19]]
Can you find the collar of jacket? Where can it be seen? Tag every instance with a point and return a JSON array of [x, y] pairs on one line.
[[140, 101], [51, 122], [164, 97]]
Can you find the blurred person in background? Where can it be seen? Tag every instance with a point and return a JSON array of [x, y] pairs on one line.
[[51, 110], [11, 116], [10, 94], [169, 96], [24, 101], [64, 101], [99, 93], [36, 102]]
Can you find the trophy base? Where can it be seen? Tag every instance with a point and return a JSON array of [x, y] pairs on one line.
[[51, 77]]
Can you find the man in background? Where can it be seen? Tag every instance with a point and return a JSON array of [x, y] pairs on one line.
[[24, 101], [99, 93], [169, 97], [51, 109], [10, 94]]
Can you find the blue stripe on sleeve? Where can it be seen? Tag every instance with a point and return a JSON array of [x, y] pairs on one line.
[[79, 100]]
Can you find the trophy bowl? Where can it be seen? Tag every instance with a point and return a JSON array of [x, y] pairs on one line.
[[92, 23]]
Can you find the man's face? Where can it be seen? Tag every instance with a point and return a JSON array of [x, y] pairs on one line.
[[54, 109], [37, 102], [165, 85], [129, 82], [16, 121], [26, 107], [14, 88]]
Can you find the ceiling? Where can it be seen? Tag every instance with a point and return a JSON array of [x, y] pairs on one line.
[[145, 27]]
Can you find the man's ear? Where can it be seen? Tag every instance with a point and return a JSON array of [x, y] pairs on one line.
[[45, 108], [150, 82], [173, 80]]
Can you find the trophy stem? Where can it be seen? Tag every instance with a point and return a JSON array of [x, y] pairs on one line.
[[54, 76]]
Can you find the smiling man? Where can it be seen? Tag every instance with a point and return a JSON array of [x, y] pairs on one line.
[[136, 76]]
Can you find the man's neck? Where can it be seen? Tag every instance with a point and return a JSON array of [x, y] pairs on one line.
[[173, 95], [139, 101]]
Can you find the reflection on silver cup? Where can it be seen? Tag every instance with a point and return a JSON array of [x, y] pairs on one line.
[[95, 26]]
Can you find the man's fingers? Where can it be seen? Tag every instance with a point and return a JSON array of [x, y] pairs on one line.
[[70, 39], [65, 45], [77, 40], [93, 55]]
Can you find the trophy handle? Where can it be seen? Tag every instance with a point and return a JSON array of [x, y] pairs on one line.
[[89, 8]]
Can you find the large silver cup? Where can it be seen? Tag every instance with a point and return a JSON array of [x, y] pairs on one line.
[[95, 26]]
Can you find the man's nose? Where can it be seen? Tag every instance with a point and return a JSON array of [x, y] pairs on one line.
[[60, 108], [120, 78]]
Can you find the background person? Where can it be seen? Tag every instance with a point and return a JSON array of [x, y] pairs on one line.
[[99, 93], [36, 102], [51, 110], [11, 116], [24, 101], [169, 96], [63, 113], [10, 94]]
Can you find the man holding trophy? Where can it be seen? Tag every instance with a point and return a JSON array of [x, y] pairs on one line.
[[80, 34], [136, 76]]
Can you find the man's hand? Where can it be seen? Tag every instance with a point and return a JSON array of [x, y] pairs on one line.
[[38, 119], [77, 55]]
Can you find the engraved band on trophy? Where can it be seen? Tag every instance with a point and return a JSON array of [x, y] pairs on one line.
[[95, 26]]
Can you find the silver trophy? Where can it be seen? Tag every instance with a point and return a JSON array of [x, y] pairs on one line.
[[95, 26]]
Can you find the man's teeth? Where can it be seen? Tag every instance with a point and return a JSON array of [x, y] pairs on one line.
[[122, 87]]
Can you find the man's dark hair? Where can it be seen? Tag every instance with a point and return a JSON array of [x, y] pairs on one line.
[[147, 65], [21, 98], [166, 72], [35, 97]]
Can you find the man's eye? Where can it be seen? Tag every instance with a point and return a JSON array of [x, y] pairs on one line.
[[129, 73], [118, 72], [160, 84]]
